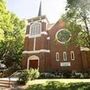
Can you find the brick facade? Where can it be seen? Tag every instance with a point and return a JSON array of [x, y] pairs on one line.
[[46, 47]]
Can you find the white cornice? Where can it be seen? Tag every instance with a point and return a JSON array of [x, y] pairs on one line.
[[84, 49], [37, 51], [28, 35], [42, 33]]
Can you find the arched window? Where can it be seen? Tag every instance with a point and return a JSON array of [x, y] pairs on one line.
[[64, 56], [57, 56], [35, 29], [72, 55]]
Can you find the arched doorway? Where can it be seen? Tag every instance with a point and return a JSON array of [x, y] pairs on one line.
[[33, 62]]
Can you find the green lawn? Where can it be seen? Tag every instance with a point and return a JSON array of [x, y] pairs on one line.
[[59, 84]]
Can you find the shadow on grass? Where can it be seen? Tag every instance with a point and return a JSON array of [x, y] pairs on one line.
[[55, 85]]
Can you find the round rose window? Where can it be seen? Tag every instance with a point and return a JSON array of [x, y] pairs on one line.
[[63, 36]]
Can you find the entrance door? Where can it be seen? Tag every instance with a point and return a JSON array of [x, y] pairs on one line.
[[33, 64]]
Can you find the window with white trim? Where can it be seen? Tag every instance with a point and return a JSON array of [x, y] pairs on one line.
[[64, 56], [35, 29], [72, 55], [57, 56]]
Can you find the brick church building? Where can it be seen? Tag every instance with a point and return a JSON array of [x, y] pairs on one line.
[[44, 47]]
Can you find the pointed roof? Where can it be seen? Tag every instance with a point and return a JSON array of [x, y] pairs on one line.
[[40, 7]]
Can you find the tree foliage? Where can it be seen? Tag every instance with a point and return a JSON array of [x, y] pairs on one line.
[[78, 12], [11, 36]]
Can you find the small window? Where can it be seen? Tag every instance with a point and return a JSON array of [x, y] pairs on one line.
[[57, 56], [35, 29], [72, 55], [64, 56]]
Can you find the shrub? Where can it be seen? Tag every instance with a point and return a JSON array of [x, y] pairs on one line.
[[24, 77], [66, 74], [33, 73], [28, 74], [47, 75], [55, 85], [8, 72], [86, 75]]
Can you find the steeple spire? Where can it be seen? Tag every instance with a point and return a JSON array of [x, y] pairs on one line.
[[40, 7]]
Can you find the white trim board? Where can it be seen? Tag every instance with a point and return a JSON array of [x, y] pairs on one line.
[[39, 35], [37, 51]]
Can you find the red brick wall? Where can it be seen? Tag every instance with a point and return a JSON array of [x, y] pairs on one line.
[[28, 44], [57, 47], [48, 61], [86, 60]]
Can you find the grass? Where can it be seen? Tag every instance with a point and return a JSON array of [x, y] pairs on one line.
[[59, 84]]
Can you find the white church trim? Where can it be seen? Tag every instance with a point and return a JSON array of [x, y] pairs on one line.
[[27, 35], [34, 46], [44, 33], [39, 35], [36, 51]]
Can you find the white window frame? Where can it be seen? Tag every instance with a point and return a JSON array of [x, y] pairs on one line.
[[72, 55], [37, 35], [57, 56], [64, 56]]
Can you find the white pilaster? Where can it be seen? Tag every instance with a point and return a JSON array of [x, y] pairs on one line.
[[34, 44]]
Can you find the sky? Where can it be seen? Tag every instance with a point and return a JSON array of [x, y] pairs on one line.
[[25, 9]]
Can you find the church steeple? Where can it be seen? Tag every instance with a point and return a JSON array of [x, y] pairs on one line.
[[39, 12], [39, 15]]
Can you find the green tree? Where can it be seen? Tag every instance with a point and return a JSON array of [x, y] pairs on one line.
[[11, 36], [78, 12]]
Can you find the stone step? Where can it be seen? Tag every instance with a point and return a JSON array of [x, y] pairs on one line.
[[6, 83]]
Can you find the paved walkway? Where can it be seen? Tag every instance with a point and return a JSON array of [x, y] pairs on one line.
[[41, 81]]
